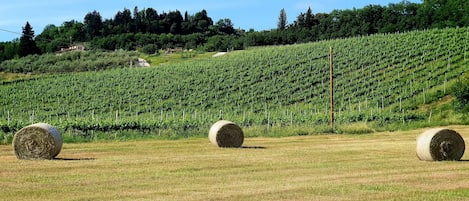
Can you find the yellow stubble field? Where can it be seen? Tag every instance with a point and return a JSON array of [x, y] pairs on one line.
[[379, 166]]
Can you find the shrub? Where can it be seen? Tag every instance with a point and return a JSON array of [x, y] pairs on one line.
[[149, 49], [460, 91]]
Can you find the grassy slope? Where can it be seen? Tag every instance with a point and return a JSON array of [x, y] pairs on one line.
[[381, 78], [162, 57], [381, 166], [12, 76]]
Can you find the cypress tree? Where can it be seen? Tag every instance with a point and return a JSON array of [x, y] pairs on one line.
[[282, 20], [27, 44]]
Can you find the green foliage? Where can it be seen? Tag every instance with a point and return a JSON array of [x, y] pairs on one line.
[[220, 44], [460, 90], [8, 50], [6, 138], [224, 27], [77, 61], [149, 49], [442, 14]]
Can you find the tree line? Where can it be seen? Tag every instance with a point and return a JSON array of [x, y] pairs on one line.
[[149, 30]]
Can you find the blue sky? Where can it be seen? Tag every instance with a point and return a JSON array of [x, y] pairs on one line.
[[244, 14]]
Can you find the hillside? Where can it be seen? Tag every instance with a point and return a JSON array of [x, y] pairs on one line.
[[380, 78]]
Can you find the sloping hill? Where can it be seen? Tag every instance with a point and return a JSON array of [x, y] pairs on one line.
[[381, 78]]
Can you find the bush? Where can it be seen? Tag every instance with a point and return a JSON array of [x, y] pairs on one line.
[[149, 49], [460, 91]]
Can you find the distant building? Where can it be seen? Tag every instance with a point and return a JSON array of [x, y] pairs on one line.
[[173, 50], [75, 47]]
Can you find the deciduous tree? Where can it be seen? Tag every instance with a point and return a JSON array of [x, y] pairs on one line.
[[93, 24]]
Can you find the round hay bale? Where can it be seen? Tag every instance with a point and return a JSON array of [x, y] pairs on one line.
[[37, 141], [439, 144], [226, 134]]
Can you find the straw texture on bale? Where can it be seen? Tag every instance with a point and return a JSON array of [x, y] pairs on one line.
[[226, 134], [37, 141], [440, 144]]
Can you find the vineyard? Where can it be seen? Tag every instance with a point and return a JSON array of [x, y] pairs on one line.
[[379, 78]]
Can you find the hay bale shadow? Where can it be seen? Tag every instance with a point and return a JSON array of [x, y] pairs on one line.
[[463, 160], [253, 147], [74, 159]]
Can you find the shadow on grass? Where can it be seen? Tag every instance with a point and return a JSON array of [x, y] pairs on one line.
[[75, 159], [442, 161], [253, 147]]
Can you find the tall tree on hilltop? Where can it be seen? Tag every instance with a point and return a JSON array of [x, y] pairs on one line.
[[282, 20], [138, 21], [93, 24], [225, 26], [173, 22], [202, 21], [27, 44], [310, 19], [187, 26], [151, 20]]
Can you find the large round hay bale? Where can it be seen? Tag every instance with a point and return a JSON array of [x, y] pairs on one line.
[[37, 141], [439, 144], [226, 134]]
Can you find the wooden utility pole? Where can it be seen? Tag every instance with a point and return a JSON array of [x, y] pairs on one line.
[[331, 89]]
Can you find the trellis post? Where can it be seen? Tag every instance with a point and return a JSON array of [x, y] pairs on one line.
[[331, 89]]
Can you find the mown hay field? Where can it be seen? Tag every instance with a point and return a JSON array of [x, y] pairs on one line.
[[380, 166]]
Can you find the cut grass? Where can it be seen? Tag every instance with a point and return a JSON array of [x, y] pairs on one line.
[[380, 166]]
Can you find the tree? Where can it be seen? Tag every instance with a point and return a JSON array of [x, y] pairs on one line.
[[310, 19], [225, 26], [151, 20], [187, 26], [46, 41], [27, 44], [8, 50], [371, 17], [202, 21], [300, 21], [73, 29], [443, 13], [173, 20], [282, 20], [137, 21], [93, 24]]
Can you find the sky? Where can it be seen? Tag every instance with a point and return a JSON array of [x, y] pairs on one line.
[[244, 14]]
